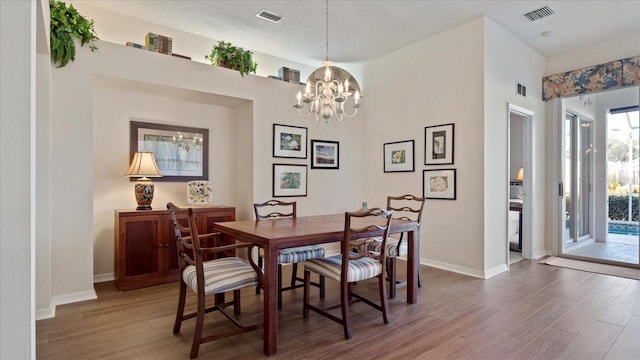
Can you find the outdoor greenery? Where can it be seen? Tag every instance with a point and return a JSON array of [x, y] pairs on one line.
[[619, 207], [66, 26], [232, 57]]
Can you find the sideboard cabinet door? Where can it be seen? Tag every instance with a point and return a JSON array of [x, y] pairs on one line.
[[145, 245]]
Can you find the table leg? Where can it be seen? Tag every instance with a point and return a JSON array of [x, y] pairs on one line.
[[413, 263], [270, 300]]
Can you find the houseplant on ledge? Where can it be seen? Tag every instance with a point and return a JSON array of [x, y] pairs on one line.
[[66, 26], [232, 57]]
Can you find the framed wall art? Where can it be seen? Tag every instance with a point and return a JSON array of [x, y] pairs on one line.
[[289, 180], [398, 156], [438, 144], [325, 154], [439, 184], [181, 152], [289, 141]]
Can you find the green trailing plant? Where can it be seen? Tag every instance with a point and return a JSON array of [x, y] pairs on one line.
[[226, 55], [66, 26]]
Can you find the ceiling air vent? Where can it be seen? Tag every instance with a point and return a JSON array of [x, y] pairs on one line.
[[540, 13], [269, 16]]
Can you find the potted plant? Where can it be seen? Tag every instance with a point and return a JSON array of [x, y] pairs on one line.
[[232, 57], [66, 26]]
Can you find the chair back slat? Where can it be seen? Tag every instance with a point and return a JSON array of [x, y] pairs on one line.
[[358, 232], [275, 209], [406, 207], [188, 240]]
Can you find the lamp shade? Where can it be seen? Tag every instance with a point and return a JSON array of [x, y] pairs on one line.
[[520, 174], [143, 165]]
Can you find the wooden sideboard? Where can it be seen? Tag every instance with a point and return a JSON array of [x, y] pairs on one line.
[[145, 244]]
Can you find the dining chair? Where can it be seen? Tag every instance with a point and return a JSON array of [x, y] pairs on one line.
[[352, 266], [212, 277], [274, 209], [404, 207]]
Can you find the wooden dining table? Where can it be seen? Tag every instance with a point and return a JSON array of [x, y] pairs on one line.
[[276, 234]]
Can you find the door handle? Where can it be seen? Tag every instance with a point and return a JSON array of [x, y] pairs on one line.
[[561, 189]]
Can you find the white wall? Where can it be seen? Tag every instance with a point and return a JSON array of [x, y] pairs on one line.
[[119, 29], [509, 61], [118, 101], [622, 48], [436, 81], [466, 75], [17, 179]]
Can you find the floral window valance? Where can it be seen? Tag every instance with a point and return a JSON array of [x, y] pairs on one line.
[[612, 75]]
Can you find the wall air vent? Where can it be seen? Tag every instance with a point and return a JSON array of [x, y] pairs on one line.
[[540, 13], [269, 16], [521, 90]]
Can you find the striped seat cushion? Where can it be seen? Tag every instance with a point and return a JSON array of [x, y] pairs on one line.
[[392, 246], [298, 254], [361, 269], [220, 275]]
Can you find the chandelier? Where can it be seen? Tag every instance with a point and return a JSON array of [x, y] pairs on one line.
[[332, 90]]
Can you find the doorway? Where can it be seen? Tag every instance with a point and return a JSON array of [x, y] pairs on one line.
[[600, 180], [520, 162]]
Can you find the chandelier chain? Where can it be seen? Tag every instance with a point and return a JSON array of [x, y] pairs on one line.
[[326, 31]]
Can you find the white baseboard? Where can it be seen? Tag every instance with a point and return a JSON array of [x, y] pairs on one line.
[[495, 271], [46, 313], [75, 297], [541, 253], [453, 268], [50, 312], [448, 267], [104, 277]]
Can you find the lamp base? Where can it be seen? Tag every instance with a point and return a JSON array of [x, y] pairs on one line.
[[144, 194]]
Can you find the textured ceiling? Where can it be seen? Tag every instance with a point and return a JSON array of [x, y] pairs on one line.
[[364, 30]]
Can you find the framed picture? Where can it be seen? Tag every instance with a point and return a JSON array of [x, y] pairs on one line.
[[438, 144], [181, 152], [289, 180], [398, 156], [289, 141], [325, 154], [439, 184]]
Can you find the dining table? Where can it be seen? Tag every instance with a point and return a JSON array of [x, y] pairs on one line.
[[275, 234]]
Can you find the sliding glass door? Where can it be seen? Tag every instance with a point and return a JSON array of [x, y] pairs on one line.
[[600, 184], [578, 197]]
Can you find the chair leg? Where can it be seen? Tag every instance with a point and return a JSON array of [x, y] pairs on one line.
[[260, 266], [305, 296], [391, 269], [180, 311], [279, 286], [345, 295], [197, 335], [236, 301], [321, 281], [294, 274], [383, 297], [419, 280]]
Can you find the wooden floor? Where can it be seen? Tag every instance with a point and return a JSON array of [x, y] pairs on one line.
[[533, 311]]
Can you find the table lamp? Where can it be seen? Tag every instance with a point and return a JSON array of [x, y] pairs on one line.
[[143, 165], [520, 175]]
